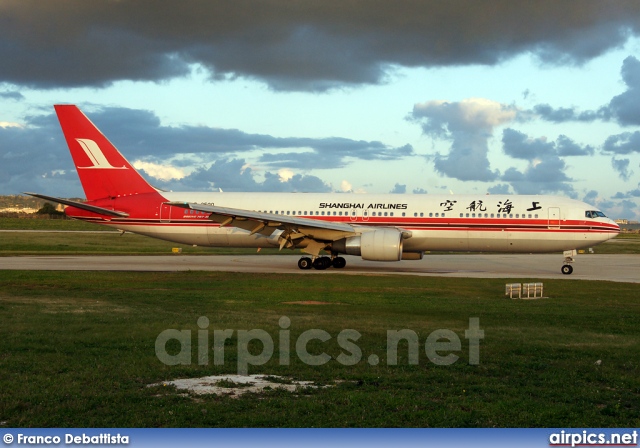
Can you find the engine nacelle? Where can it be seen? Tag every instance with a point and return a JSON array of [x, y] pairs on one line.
[[376, 245]]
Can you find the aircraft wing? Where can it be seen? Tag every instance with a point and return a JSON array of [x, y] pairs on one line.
[[293, 229]]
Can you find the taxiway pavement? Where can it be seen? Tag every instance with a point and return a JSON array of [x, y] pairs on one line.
[[617, 268]]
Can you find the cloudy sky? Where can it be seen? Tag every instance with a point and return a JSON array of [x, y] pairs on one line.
[[367, 96]]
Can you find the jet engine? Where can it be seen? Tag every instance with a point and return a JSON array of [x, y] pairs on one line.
[[374, 245]]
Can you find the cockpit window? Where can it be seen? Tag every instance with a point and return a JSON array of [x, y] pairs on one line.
[[594, 214]]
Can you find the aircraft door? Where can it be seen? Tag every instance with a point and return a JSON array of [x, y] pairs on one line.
[[165, 213], [554, 217], [353, 216]]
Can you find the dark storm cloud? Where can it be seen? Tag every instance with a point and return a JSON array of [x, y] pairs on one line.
[[499, 189], [399, 189], [590, 197], [293, 45], [565, 114], [628, 209], [468, 124], [629, 194], [140, 133], [37, 152], [546, 170], [625, 143], [622, 168], [567, 147], [234, 175], [332, 153], [12, 95], [623, 108], [35, 157], [547, 176], [520, 146]]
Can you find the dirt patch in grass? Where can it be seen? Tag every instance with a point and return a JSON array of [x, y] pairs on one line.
[[312, 302], [236, 385]]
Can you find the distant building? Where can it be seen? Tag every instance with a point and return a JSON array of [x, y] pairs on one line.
[[27, 210], [622, 221]]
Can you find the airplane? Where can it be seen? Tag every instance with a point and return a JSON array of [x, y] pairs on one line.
[[377, 227]]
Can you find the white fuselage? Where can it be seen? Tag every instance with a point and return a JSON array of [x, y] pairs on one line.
[[496, 223]]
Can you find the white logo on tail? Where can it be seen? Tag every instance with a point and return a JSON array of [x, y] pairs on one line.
[[93, 151]]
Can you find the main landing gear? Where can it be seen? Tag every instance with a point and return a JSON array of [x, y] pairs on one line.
[[322, 263]]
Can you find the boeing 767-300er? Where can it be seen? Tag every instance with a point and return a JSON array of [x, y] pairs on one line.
[[378, 227]]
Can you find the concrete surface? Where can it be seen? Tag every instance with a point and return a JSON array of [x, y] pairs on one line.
[[618, 268]]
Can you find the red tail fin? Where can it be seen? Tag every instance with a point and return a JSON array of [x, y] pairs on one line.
[[103, 171]]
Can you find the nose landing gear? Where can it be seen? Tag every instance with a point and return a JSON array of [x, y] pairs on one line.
[[567, 269]]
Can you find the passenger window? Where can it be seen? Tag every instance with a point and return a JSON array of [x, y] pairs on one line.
[[421, 215], [385, 213]]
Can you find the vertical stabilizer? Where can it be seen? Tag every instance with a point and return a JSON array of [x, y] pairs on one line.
[[103, 171]]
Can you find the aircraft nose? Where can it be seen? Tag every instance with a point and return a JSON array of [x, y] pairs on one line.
[[616, 229]]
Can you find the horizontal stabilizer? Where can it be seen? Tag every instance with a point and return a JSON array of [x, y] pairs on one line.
[[81, 205]]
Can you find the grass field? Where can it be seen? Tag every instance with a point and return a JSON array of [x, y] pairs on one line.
[[77, 350]]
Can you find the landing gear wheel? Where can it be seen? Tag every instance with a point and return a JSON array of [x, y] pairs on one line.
[[322, 263], [339, 262], [567, 269], [304, 263]]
